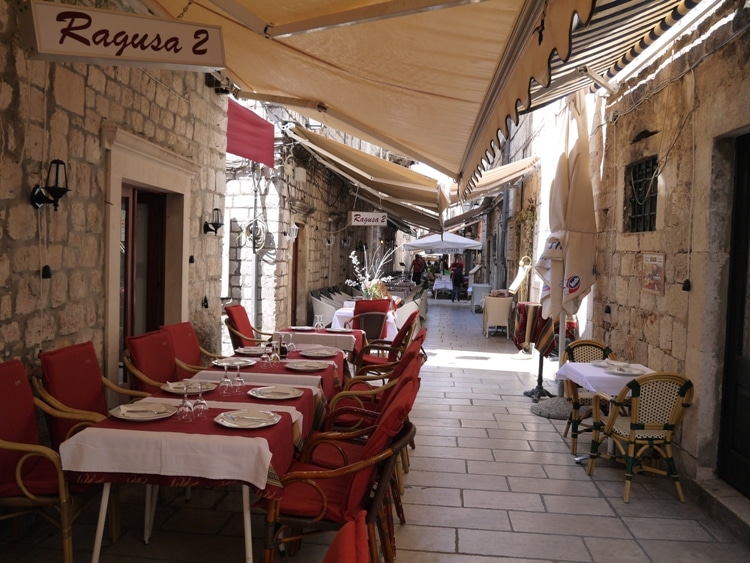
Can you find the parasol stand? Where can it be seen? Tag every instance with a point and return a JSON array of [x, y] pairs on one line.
[[539, 391]]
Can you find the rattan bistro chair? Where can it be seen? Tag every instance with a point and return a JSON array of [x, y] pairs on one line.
[[581, 351], [657, 403]]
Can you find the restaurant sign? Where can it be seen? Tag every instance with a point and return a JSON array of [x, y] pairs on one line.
[[72, 33], [368, 219]]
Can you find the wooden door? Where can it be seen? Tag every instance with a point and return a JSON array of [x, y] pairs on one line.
[[734, 443]]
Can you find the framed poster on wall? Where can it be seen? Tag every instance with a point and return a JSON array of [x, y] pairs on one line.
[[653, 272]]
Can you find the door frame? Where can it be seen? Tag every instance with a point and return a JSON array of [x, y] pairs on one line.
[[132, 160]]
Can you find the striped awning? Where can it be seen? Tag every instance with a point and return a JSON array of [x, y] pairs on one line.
[[619, 31]]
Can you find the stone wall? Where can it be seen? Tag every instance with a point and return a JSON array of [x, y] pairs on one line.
[[685, 109], [56, 111]]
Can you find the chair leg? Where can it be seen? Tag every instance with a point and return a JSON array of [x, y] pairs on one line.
[[630, 461], [397, 501], [66, 528], [672, 467], [373, 541], [594, 452]]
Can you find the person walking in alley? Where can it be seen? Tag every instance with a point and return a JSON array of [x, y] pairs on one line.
[[417, 267], [457, 277]]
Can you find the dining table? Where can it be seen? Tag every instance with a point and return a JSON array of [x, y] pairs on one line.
[[343, 315], [601, 376], [289, 371], [348, 340], [159, 449]]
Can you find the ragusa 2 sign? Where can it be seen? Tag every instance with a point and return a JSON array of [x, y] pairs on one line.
[[367, 219], [70, 33]]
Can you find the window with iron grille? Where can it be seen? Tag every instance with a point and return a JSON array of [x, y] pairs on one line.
[[641, 183]]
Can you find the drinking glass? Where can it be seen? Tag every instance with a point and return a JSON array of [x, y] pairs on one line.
[[225, 385], [239, 383], [286, 340], [319, 322], [200, 407], [185, 409], [274, 358]]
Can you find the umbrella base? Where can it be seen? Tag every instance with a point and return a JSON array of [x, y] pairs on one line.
[[537, 393]]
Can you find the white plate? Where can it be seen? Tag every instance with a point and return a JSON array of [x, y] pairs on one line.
[[233, 362], [339, 329], [275, 392], [143, 411], [247, 419], [251, 350], [601, 364], [306, 365], [319, 353], [302, 328], [624, 370], [193, 387]]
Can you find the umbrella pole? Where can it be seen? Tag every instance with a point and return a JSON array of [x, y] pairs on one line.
[[539, 391]]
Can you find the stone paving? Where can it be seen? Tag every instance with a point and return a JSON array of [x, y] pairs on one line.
[[489, 481]]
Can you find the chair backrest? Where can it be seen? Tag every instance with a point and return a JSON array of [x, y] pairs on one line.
[[152, 353], [372, 306], [18, 422], [657, 403], [403, 312], [186, 346], [497, 310], [237, 317], [586, 351], [72, 376], [403, 336], [373, 323], [324, 309], [390, 422]]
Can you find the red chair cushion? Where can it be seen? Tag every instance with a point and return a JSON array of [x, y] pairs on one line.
[[237, 315], [185, 345], [72, 376], [351, 543], [152, 354]]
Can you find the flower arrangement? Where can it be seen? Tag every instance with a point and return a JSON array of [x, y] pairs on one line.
[[370, 274]]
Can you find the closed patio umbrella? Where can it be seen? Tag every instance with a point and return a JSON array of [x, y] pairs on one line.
[[567, 263]]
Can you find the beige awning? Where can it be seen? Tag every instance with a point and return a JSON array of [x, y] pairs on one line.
[[435, 80], [432, 79], [389, 179], [491, 183]]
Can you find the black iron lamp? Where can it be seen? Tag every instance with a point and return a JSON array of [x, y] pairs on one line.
[[216, 222], [56, 187]]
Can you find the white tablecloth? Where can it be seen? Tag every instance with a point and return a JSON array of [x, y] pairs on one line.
[[341, 316], [442, 285], [595, 378], [238, 458]]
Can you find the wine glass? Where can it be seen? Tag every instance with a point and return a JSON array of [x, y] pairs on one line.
[[239, 383], [200, 407], [274, 358], [185, 409], [319, 322], [225, 385], [286, 340]]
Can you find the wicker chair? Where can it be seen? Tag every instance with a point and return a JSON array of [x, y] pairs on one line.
[[581, 351], [657, 406]]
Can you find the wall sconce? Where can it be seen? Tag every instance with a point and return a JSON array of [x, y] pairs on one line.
[[216, 222], [293, 232], [56, 187], [346, 242]]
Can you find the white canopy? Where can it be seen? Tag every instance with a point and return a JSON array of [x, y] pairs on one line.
[[446, 243]]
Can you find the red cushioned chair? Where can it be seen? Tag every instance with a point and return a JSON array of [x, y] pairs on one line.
[[151, 360], [380, 351], [241, 330], [72, 381], [370, 316], [322, 498], [187, 349], [350, 545], [31, 475]]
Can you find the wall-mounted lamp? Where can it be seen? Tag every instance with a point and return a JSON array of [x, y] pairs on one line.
[[56, 187], [216, 222], [293, 232]]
